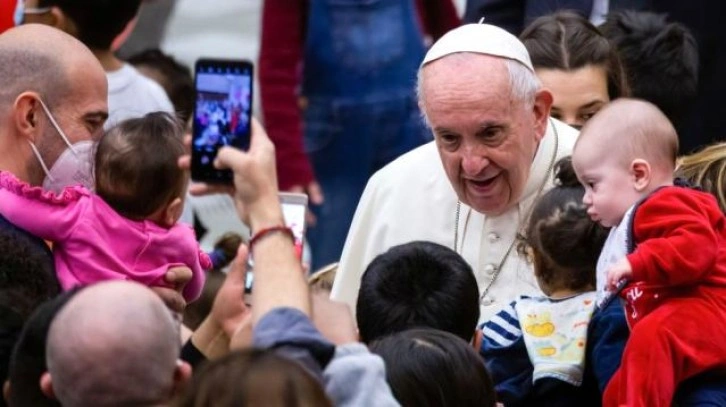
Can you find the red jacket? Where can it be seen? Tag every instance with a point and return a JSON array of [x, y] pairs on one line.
[[680, 237], [7, 11], [283, 38]]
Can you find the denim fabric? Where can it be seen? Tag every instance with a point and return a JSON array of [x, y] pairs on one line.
[[360, 64]]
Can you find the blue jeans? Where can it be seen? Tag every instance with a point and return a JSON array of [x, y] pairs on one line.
[[360, 63]]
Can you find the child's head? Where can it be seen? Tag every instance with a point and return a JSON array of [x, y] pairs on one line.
[[417, 284], [253, 377], [575, 61], [96, 23], [428, 367], [175, 78], [136, 170], [560, 239], [622, 154], [707, 169]]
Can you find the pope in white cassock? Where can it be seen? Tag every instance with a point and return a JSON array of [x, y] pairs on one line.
[[473, 186]]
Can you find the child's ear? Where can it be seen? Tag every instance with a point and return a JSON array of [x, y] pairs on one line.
[[173, 212], [641, 174], [476, 339]]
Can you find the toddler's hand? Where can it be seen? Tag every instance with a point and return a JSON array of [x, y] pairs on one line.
[[617, 272]]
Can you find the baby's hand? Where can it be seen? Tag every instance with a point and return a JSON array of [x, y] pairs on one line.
[[617, 272]]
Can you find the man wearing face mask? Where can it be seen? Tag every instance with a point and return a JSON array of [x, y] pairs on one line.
[[53, 105]]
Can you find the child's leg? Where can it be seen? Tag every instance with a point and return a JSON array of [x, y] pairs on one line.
[[681, 338]]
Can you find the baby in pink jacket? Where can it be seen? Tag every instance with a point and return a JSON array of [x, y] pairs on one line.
[[128, 229]]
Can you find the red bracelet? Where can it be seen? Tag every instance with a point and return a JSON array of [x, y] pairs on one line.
[[266, 231]]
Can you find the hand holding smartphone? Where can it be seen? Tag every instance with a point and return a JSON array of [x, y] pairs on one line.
[[222, 114]]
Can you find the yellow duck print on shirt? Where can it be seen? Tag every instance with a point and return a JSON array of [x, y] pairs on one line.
[[540, 326]]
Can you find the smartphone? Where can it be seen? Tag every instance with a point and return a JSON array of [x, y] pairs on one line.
[[293, 210], [294, 207], [222, 114]]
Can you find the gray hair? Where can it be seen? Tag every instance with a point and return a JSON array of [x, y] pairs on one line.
[[523, 84]]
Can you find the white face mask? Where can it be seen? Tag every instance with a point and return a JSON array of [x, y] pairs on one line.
[[73, 167]]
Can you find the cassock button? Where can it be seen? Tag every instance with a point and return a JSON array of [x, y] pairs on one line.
[[490, 269], [487, 300], [493, 237]]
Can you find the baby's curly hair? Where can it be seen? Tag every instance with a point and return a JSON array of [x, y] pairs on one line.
[[560, 238]]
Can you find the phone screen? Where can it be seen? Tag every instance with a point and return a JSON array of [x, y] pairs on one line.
[[222, 114]]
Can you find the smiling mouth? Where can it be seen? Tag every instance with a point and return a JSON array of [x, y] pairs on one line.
[[484, 184]]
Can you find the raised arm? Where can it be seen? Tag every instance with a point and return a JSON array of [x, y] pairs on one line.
[[279, 278]]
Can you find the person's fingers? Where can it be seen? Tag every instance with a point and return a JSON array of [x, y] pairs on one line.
[[173, 300], [238, 268], [259, 137], [178, 275], [242, 337], [229, 158], [201, 188], [315, 193], [310, 218], [297, 189]]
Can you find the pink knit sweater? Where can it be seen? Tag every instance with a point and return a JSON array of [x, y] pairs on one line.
[[91, 242]]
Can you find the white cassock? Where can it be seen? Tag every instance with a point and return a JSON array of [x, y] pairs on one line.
[[412, 199]]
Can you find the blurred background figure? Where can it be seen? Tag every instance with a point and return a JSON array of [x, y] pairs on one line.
[[661, 60], [98, 24], [337, 86], [575, 61], [176, 79]]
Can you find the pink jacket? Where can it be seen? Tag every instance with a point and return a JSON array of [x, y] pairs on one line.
[[91, 242]]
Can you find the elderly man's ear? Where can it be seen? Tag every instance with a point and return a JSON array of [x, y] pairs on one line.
[[46, 385], [542, 106], [182, 375]]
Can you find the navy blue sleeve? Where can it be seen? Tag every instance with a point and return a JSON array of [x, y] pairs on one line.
[[607, 334], [706, 389]]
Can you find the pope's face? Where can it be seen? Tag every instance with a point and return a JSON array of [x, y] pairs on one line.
[[486, 140]]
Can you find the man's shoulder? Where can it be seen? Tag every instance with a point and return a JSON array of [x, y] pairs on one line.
[[413, 168]]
